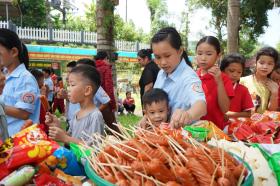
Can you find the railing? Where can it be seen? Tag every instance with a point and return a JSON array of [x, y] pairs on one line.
[[3, 24], [59, 35]]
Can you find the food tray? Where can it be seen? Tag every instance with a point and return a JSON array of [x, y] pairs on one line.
[[249, 180]]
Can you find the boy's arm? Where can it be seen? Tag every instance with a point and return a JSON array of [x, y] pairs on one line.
[[61, 135]]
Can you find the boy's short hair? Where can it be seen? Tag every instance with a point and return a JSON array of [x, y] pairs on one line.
[[86, 61], [71, 64], [47, 70], [268, 51], [37, 73], [154, 95], [127, 92], [90, 73]]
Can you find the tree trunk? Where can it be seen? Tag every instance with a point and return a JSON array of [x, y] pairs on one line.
[[233, 16], [105, 31]]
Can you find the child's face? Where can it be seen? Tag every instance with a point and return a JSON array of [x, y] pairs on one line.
[[6, 55], [142, 61], [157, 112], [41, 82], [166, 56], [76, 88], [128, 95], [234, 71], [275, 76], [206, 56], [265, 65]]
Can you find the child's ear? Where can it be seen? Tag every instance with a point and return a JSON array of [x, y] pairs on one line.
[[15, 52], [144, 112], [88, 90]]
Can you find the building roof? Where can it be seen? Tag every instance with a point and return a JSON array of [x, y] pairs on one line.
[[13, 10]]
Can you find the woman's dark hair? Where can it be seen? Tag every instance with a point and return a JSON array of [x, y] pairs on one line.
[[232, 58], [86, 61], [90, 73], [171, 35], [9, 40], [24, 57], [268, 51], [211, 40], [154, 95], [145, 53], [101, 55], [37, 73]]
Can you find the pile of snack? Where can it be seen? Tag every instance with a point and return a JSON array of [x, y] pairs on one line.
[[31, 157], [260, 128], [158, 157], [263, 175], [200, 154]]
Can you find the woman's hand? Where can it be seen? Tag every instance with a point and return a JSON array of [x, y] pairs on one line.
[[179, 118], [57, 134], [52, 120], [272, 87]]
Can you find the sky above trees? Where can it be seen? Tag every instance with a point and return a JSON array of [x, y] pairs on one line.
[[199, 20]]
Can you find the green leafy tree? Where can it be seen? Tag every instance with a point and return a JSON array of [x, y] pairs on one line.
[[91, 17], [158, 10], [127, 30], [253, 17], [33, 13]]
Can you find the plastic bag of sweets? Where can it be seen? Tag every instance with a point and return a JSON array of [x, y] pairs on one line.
[[80, 152], [32, 134], [31, 153], [19, 177], [66, 161], [46, 179]]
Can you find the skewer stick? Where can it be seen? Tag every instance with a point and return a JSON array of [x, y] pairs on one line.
[[123, 127], [178, 151], [151, 124], [95, 167], [223, 163], [121, 169], [149, 178], [112, 168], [127, 146], [142, 151], [167, 155], [123, 130], [114, 165], [242, 172], [119, 149], [176, 144], [213, 176], [118, 134]]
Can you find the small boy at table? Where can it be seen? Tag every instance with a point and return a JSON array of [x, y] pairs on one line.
[[155, 105]]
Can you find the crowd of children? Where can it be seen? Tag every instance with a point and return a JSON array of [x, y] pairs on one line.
[[179, 95]]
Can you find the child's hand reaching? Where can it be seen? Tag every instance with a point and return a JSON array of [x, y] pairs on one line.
[[52, 120], [57, 134], [179, 118], [215, 72]]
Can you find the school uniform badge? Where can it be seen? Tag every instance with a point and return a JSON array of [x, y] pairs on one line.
[[196, 87], [28, 98]]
